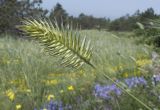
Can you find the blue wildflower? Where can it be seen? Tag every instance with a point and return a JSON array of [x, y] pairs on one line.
[[105, 91], [135, 81], [56, 105], [53, 105], [156, 79]]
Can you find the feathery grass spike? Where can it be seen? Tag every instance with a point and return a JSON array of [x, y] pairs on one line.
[[59, 41]]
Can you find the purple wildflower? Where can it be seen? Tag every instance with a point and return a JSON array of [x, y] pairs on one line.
[[56, 105], [135, 81], [105, 91], [53, 105], [156, 79]]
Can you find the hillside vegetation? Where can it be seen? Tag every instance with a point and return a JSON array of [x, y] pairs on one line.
[[31, 78]]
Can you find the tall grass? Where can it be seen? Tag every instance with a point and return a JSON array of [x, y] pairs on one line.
[[33, 76]]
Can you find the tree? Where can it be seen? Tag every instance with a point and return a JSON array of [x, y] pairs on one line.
[[32, 9], [12, 11], [7, 14], [128, 23], [148, 14], [59, 14], [91, 22]]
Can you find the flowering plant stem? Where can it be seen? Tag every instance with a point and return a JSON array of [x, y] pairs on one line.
[[117, 84]]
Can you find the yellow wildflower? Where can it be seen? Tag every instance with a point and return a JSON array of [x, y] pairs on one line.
[[54, 82], [125, 75], [143, 62], [51, 82], [70, 88], [10, 94], [18, 107], [138, 72], [51, 96], [120, 67]]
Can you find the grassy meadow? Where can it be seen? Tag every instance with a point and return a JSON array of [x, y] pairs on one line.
[[30, 77]]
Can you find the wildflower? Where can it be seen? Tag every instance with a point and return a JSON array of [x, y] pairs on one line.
[[114, 69], [156, 79], [50, 82], [10, 94], [70, 88], [51, 96], [18, 106], [105, 92], [138, 72], [120, 67], [54, 82], [125, 75], [135, 81], [54, 105], [143, 62]]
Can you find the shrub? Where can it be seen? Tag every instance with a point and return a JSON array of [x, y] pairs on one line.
[[149, 33]]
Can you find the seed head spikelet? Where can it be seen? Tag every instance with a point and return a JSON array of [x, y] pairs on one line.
[[61, 41]]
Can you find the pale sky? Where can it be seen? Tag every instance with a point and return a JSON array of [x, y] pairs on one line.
[[103, 8]]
